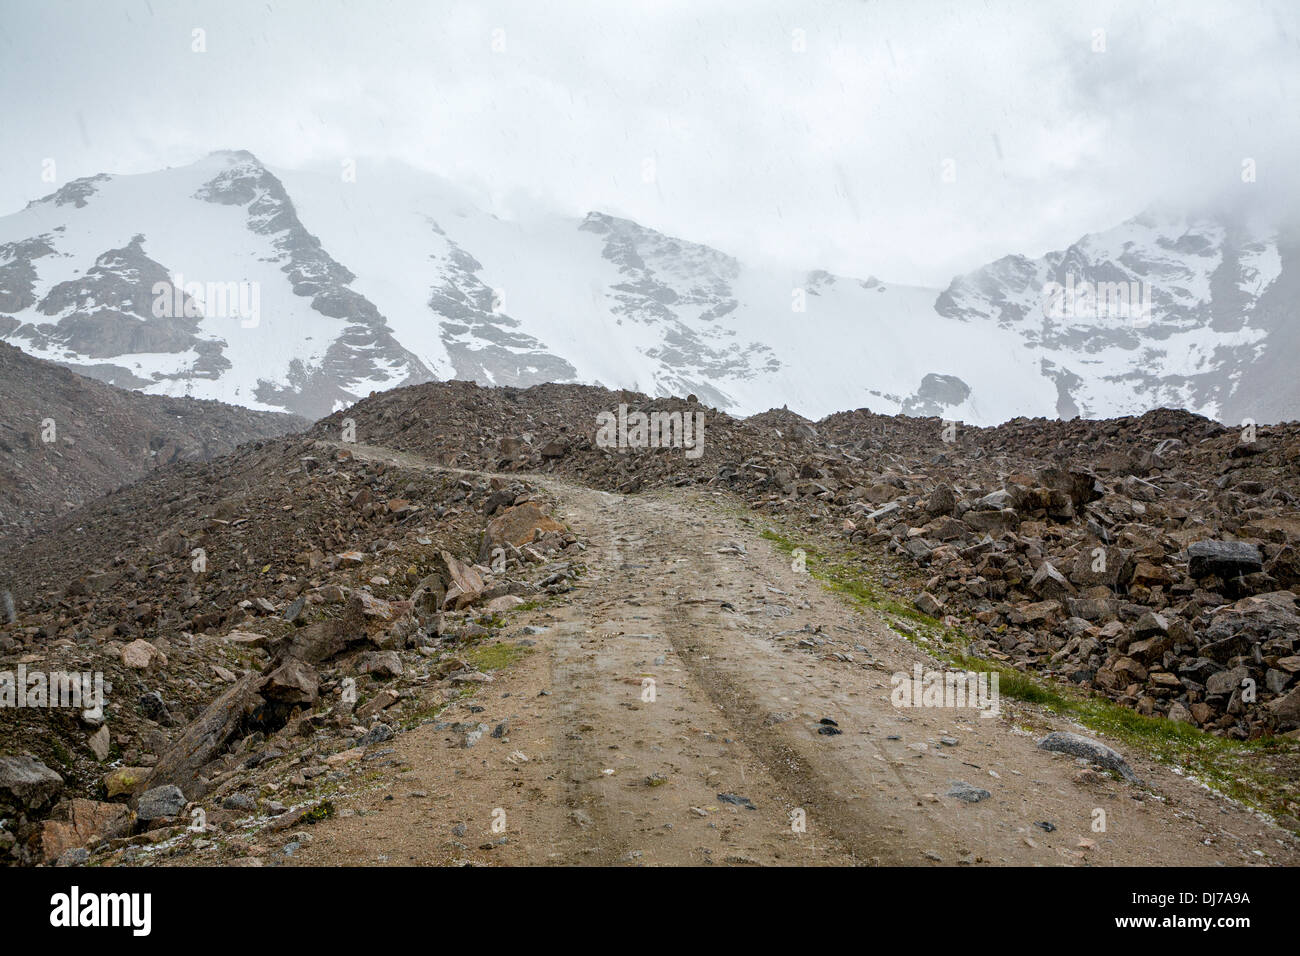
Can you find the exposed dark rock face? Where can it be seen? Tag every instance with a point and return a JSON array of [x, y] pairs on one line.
[[109, 311], [654, 268], [18, 275], [1187, 309], [1223, 558], [483, 341], [936, 394], [366, 350], [76, 193]]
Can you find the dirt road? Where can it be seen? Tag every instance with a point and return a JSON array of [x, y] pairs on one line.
[[669, 711]]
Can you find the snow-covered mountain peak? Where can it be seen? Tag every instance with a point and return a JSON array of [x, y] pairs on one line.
[[306, 289]]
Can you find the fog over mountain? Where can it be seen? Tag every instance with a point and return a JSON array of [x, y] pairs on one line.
[[875, 205], [285, 290]]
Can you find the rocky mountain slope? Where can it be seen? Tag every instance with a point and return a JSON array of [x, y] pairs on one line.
[[1153, 559], [219, 601], [305, 291], [267, 622], [66, 439]]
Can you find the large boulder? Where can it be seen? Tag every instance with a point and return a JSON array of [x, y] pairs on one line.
[[160, 803], [1098, 566], [326, 639], [1285, 568], [942, 501], [142, 656], [76, 823], [375, 608], [1225, 683], [1226, 559], [993, 522], [464, 584], [426, 600], [27, 784], [380, 663], [1151, 638], [1072, 489], [1286, 710], [124, 780], [1049, 584], [995, 501], [293, 682], [929, 605], [519, 525]]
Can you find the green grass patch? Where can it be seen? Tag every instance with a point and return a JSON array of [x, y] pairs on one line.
[[491, 657]]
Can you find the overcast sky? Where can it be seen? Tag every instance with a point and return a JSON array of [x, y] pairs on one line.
[[821, 148]]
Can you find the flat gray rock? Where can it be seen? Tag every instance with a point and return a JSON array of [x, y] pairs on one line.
[[966, 791], [1091, 750], [1224, 558], [160, 803]]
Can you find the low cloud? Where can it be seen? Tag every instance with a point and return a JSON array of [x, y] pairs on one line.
[[907, 140]]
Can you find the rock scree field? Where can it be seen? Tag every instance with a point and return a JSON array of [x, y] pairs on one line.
[[452, 625]]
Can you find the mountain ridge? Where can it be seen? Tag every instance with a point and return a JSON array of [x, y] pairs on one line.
[[400, 278]]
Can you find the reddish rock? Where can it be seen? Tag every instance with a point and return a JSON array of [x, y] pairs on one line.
[[76, 823], [519, 525]]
